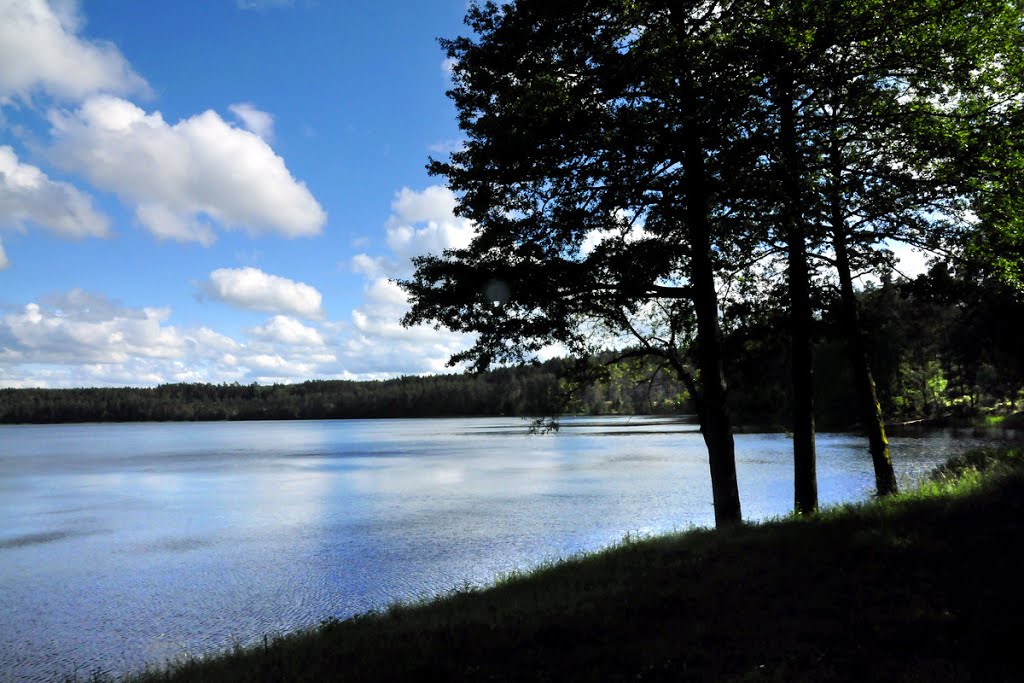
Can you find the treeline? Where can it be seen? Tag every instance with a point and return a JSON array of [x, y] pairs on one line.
[[533, 390]]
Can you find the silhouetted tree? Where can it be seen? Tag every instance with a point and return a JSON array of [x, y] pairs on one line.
[[606, 142]]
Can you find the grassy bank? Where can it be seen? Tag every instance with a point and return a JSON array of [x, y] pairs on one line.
[[921, 587]]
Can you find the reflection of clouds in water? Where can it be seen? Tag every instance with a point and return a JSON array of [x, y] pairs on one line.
[[187, 509], [448, 476], [296, 500], [108, 481], [471, 474], [206, 534], [162, 483]]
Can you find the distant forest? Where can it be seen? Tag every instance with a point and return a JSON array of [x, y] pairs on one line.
[[520, 391], [942, 347]]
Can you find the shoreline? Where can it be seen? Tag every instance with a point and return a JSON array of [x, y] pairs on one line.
[[894, 589]]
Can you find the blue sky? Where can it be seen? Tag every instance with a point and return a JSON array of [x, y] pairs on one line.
[[219, 190]]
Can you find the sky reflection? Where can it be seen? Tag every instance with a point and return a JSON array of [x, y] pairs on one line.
[[122, 544]]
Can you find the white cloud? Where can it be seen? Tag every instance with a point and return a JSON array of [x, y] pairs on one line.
[[206, 339], [630, 230], [447, 146], [86, 306], [165, 224], [911, 261], [69, 331], [435, 204], [7, 382], [421, 222], [82, 339], [373, 266], [380, 316], [425, 223], [4, 263], [253, 289], [375, 341], [39, 52], [28, 196], [261, 5], [180, 175], [254, 120], [448, 66], [285, 330], [386, 294], [265, 362]]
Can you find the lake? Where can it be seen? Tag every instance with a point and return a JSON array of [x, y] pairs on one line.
[[128, 544]]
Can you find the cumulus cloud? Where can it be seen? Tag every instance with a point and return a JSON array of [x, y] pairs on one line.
[[28, 196], [447, 146], [182, 176], [375, 342], [448, 65], [373, 266], [289, 331], [425, 222], [4, 263], [39, 52], [253, 289], [630, 230], [206, 339], [378, 322], [73, 330], [911, 261], [254, 120], [421, 222], [436, 204], [83, 339], [276, 368], [286, 350], [79, 338], [166, 224]]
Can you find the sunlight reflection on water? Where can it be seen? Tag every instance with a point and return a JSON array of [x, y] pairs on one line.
[[127, 544]]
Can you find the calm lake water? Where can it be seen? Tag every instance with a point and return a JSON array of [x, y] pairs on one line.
[[128, 544]]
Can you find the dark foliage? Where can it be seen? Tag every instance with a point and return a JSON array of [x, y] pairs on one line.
[[521, 391], [943, 344]]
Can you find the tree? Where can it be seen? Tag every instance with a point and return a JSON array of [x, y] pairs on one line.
[[625, 157], [897, 161], [976, 345], [604, 141], [881, 111]]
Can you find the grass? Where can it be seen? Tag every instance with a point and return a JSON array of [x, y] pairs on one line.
[[925, 586], [997, 421]]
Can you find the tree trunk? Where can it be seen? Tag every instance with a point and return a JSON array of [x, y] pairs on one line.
[[864, 382], [805, 477], [715, 424]]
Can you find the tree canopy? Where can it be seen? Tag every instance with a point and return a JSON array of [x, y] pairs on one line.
[[628, 161], [600, 168]]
